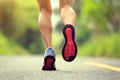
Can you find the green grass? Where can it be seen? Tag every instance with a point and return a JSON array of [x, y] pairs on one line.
[[10, 47], [107, 46]]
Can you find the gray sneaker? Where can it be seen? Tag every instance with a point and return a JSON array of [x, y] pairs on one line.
[[49, 60]]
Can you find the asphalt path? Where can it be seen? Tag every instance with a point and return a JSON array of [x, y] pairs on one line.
[[82, 68]]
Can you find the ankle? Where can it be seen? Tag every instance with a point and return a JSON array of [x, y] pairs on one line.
[[49, 51]]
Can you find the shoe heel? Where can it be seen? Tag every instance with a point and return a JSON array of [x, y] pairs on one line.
[[49, 63]]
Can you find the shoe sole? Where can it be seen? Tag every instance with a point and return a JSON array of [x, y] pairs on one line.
[[49, 63], [69, 50]]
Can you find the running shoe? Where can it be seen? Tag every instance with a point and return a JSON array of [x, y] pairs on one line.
[[49, 60], [69, 50]]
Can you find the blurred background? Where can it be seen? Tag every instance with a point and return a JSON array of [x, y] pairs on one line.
[[97, 26]]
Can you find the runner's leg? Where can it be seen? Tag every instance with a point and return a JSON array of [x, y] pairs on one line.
[[45, 25], [69, 50], [44, 21], [67, 13]]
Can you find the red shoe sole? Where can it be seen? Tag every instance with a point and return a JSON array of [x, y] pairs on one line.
[[49, 62], [69, 50]]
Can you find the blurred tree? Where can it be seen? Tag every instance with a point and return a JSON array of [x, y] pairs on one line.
[[112, 8], [98, 17], [18, 20], [6, 17], [32, 41], [26, 26], [77, 6], [25, 16]]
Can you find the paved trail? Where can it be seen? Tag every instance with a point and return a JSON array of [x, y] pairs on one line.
[[29, 68]]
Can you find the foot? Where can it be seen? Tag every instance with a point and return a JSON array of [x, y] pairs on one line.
[[49, 60], [69, 50]]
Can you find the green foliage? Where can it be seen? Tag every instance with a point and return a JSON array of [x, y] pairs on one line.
[[6, 17], [19, 21], [94, 13], [10, 47], [83, 34], [25, 16], [32, 41], [27, 29], [107, 46]]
